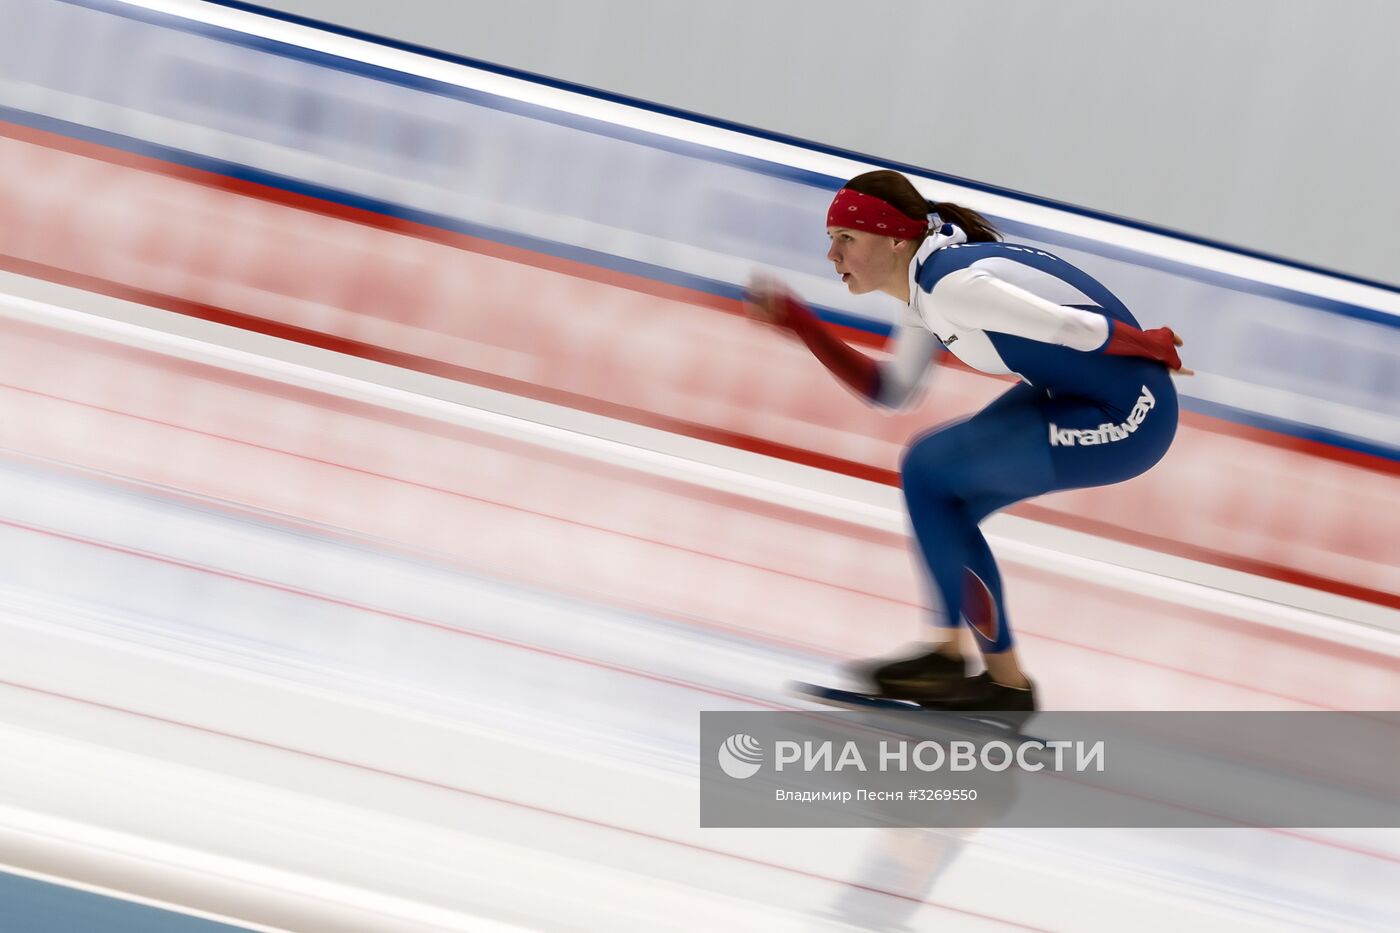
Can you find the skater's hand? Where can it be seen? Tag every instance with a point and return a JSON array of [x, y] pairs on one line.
[[764, 300], [1158, 344], [1181, 370]]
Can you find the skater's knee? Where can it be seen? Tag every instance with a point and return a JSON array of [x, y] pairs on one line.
[[931, 465], [925, 454]]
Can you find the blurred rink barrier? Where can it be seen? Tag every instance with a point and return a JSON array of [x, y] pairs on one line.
[[384, 457], [519, 237]]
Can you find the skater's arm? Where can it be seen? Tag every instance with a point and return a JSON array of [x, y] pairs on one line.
[[771, 303], [975, 298], [902, 376]]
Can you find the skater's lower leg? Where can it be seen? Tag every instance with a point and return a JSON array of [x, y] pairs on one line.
[[1004, 668], [952, 643]]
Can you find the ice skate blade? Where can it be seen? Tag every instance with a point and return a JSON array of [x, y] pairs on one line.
[[848, 699], [959, 723]]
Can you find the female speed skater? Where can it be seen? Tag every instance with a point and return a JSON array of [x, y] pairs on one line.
[[1095, 404]]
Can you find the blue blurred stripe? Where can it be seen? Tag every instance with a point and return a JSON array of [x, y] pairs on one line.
[[1289, 428], [30, 906]]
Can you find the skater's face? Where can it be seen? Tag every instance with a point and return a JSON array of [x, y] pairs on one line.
[[868, 262]]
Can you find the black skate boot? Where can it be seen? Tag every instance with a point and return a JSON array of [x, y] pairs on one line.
[[928, 675], [981, 693]]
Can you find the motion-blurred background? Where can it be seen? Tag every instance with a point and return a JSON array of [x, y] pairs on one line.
[[390, 478]]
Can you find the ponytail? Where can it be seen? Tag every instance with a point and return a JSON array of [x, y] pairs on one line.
[[977, 227]]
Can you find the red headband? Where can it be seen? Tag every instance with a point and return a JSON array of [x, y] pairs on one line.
[[858, 211]]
